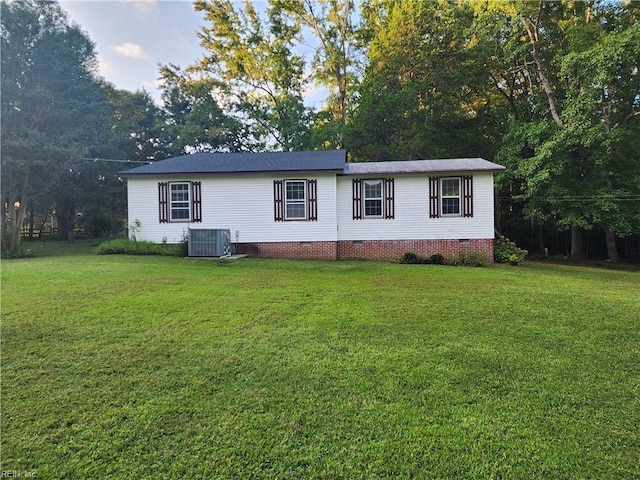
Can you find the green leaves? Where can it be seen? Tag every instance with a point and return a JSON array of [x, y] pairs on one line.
[[568, 156], [425, 93], [53, 108], [252, 59]]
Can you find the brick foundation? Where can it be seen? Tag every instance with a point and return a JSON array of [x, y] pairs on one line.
[[366, 249], [296, 250], [394, 249]]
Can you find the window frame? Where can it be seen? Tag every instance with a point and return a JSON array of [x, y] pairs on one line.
[[359, 200], [366, 199], [172, 208], [459, 197], [310, 202], [296, 201], [466, 197]]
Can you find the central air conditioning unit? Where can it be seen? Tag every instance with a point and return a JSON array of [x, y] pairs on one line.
[[209, 242]]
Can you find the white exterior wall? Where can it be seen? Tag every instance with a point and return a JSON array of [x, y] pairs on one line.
[[242, 202], [412, 222]]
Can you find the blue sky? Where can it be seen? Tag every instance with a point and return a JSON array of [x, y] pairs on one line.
[[133, 37]]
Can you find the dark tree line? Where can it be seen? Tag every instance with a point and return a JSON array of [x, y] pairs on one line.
[[550, 89], [66, 132]]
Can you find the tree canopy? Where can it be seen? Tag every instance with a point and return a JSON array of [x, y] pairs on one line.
[[550, 89], [570, 72], [53, 108]]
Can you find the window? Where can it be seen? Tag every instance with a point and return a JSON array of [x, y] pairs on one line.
[[180, 207], [373, 198], [295, 200], [180, 202], [451, 196]]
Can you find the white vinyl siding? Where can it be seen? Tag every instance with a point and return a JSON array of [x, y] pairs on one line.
[[412, 221], [245, 203], [238, 202]]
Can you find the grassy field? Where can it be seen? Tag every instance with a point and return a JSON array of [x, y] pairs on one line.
[[157, 367]]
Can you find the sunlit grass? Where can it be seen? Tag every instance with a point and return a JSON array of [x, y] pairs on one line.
[[149, 367]]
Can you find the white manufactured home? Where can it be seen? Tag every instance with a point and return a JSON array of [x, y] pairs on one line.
[[316, 205]]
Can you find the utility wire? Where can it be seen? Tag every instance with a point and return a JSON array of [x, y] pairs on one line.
[[622, 198], [114, 160]]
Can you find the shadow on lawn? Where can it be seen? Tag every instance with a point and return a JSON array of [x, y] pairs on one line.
[[585, 262], [60, 248]]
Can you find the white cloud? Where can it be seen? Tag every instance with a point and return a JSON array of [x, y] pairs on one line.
[[144, 6], [131, 50]]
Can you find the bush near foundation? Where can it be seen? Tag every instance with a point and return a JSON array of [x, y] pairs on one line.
[[412, 258], [123, 246], [466, 259], [506, 251]]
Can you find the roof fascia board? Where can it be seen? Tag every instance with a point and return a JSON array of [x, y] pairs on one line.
[[244, 172], [430, 172]]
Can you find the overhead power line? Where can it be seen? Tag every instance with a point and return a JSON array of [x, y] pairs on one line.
[[577, 198], [114, 160]]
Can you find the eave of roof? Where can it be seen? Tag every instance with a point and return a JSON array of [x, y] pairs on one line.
[[322, 160], [216, 163], [457, 165]]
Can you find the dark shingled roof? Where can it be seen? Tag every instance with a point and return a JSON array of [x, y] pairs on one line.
[[323, 160]]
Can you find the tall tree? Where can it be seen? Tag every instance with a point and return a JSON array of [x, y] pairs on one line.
[[602, 115], [137, 127], [253, 61], [193, 119], [336, 62], [574, 72], [425, 93], [51, 104]]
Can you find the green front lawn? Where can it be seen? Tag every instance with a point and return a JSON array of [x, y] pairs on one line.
[[161, 367]]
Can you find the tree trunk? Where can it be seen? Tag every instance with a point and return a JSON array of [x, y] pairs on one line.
[[65, 223], [577, 242], [16, 212], [612, 250], [70, 233], [31, 225], [541, 247], [533, 33]]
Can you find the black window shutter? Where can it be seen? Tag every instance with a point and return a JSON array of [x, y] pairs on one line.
[[467, 196], [312, 202], [388, 198], [278, 203], [357, 198], [163, 204], [434, 197], [196, 201]]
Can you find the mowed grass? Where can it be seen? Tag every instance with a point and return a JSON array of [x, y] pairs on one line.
[[157, 367]]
